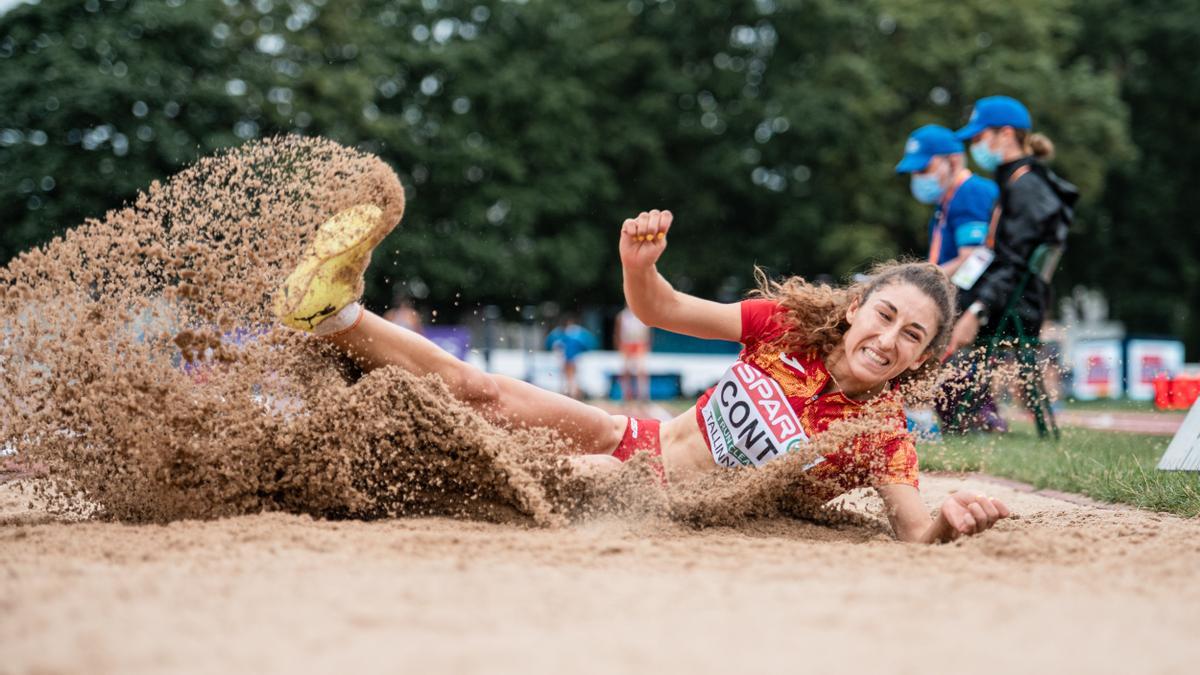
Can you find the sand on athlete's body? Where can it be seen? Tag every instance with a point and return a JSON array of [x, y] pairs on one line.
[[1064, 588]]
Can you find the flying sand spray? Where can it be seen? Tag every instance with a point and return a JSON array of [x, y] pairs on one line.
[[144, 371]]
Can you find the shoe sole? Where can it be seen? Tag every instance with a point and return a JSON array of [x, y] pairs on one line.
[[331, 259]]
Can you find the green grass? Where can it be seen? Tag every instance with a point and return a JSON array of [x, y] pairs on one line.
[[1104, 465]]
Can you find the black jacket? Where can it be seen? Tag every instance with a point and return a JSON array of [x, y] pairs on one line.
[[1036, 207]]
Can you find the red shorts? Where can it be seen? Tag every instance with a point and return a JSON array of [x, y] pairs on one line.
[[632, 350], [641, 435]]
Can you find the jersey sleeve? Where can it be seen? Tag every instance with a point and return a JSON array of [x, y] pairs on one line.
[[761, 321], [900, 463], [971, 212], [894, 460]]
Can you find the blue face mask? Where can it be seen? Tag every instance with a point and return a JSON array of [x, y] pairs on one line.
[[926, 189], [987, 158]]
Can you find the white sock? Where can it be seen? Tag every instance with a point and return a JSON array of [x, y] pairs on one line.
[[347, 318]]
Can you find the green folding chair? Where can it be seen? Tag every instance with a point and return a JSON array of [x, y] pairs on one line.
[[1011, 334]]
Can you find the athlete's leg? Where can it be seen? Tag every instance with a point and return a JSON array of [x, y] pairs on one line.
[[320, 296], [595, 465], [375, 342]]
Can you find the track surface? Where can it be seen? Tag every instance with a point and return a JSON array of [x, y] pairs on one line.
[[1152, 423]]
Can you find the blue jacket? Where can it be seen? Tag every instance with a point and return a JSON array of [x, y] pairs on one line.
[[966, 221]]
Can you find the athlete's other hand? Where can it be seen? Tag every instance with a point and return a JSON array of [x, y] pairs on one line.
[[968, 513], [643, 239]]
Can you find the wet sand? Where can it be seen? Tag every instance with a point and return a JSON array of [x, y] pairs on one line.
[[1064, 587]]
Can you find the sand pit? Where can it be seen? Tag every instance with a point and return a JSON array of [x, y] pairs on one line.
[[1063, 588]]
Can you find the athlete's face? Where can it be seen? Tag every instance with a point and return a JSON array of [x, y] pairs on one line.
[[890, 331]]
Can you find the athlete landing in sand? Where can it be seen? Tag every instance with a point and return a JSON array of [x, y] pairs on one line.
[[813, 356]]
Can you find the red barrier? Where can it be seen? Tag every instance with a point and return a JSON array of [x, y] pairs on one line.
[[1177, 393], [1189, 390], [1162, 391]]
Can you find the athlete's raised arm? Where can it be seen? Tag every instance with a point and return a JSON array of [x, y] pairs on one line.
[[652, 298]]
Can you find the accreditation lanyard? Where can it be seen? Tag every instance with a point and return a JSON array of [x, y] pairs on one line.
[[935, 243], [995, 224]]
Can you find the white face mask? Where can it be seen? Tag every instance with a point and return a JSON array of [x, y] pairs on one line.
[[926, 188], [929, 186]]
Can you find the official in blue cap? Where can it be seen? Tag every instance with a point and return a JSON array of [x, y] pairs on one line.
[[964, 201], [1034, 207], [997, 130]]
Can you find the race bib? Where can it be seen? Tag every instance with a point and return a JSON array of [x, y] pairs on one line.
[[973, 267], [749, 420]]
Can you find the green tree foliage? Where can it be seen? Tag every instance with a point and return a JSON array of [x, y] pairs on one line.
[[1145, 246], [93, 108], [525, 131]]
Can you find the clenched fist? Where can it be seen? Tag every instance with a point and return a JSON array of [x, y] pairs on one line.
[[643, 239]]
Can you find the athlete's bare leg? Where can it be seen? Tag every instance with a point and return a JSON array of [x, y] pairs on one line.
[[376, 342]]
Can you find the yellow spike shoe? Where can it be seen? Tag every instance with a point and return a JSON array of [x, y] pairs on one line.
[[330, 273]]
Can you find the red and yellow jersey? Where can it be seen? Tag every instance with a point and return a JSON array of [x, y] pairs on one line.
[[769, 404]]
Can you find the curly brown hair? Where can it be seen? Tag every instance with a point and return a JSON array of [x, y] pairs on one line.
[[816, 313]]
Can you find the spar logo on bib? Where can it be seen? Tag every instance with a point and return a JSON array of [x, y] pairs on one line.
[[749, 420]]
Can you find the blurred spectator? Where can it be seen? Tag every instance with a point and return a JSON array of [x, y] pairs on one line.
[[633, 341], [570, 340], [403, 314]]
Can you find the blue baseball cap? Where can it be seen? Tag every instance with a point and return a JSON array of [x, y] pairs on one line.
[[926, 143], [995, 111]]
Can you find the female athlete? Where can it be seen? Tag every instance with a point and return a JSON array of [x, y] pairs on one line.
[[813, 356]]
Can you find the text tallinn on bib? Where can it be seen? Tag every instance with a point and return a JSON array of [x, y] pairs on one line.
[[749, 420]]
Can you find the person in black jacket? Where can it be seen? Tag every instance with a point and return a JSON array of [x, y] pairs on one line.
[[1035, 207]]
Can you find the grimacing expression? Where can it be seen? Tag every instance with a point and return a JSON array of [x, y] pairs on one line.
[[890, 332]]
